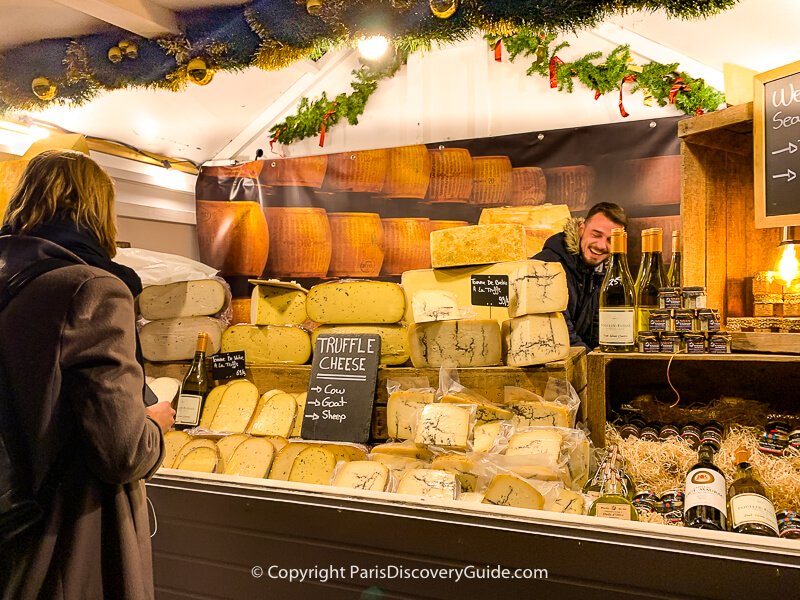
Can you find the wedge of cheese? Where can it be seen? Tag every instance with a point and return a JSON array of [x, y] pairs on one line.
[[446, 425], [537, 287], [313, 465], [429, 483], [194, 444], [460, 466], [346, 452], [276, 417], [260, 406], [236, 408], [508, 490], [284, 459], [297, 428], [401, 412], [434, 305], [568, 502], [398, 464], [537, 441], [278, 303], [540, 221], [165, 388], [173, 442], [211, 405], [404, 449], [477, 245], [486, 412], [535, 339], [202, 460], [277, 441], [228, 444], [182, 299], [363, 475], [356, 302], [470, 497], [176, 339], [540, 414], [252, 458], [394, 339], [485, 436], [269, 344], [469, 343]]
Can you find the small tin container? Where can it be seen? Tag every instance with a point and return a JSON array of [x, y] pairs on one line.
[[668, 431], [637, 420], [649, 343], [794, 439], [719, 343], [670, 342], [685, 320], [649, 433], [629, 430], [788, 524], [661, 320], [669, 297], [708, 319], [694, 297], [775, 439], [692, 432], [674, 517], [646, 502], [671, 500], [695, 343], [712, 434]]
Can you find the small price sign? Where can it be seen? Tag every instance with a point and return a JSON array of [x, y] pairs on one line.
[[489, 290], [228, 365]]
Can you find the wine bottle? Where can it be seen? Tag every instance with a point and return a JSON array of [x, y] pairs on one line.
[[749, 508], [194, 388], [705, 506], [650, 279], [618, 299], [613, 503], [675, 273]]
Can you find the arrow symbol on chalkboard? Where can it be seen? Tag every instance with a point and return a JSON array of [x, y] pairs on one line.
[[313, 402], [789, 175], [316, 389], [791, 149], [312, 416]]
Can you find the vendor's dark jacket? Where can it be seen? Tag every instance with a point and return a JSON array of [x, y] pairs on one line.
[[68, 353], [583, 284]]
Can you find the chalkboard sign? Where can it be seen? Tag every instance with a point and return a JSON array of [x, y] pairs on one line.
[[341, 389], [489, 290], [228, 365], [776, 136]]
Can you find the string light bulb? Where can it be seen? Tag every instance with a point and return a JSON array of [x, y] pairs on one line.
[[373, 47]]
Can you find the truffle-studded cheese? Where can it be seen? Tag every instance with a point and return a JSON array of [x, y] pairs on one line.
[[275, 417], [486, 412], [477, 245], [538, 441], [394, 339], [283, 304], [401, 412], [434, 305], [236, 408], [468, 343], [404, 449], [535, 339], [537, 287], [252, 458], [539, 414], [269, 344], [568, 502], [460, 466], [193, 444], [228, 444], [211, 405], [508, 490], [430, 483], [173, 442], [485, 435], [182, 299], [300, 399], [202, 460], [363, 475], [356, 302], [284, 459], [398, 464], [445, 425], [313, 465], [176, 339]]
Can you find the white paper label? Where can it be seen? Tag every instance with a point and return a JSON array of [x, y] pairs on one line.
[[617, 326], [753, 508], [705, 487], [188, 410], [614, 511]]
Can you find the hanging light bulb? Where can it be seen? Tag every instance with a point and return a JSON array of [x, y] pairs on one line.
[[373, 47], [789, 265]]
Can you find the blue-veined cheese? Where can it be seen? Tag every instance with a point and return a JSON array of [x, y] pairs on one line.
[[363, 475], [401, 412], [538, 441], [537, 287], [434, 305], [446, 425], [469, 343], [509, 490], [460, 466], [535, 339], [430, 483]]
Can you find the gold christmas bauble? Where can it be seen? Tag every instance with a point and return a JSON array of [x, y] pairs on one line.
[[199, 72], [131, 51], [123, 44], [443, 9], [314, 7], [43, 88], [115, 54]]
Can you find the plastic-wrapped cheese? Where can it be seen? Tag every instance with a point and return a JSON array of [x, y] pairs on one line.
[[277, 303], [469, 343], [401, 412], [446, 425], [537, 287], [485, 435], [356, 302], [176, 339], [313, 465], [537, 414], [268, 344], [508, 490], [363, 475], [537, 441], [568, 502], [485, 413], [535, 339], [460, 466], [431, 483], [394, 339], [477, 245], [182, 299]]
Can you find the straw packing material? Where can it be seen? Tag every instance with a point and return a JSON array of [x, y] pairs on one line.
[[357, 249], [570, 185], [232, 236], [300, 242], [408, 172], [305, 171], [406, 245], [528, 186], [451, 175], [361, 171], [491, 180]]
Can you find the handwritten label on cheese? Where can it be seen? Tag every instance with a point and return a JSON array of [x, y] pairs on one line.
[[489, 290], [228, 365], [341, 390]]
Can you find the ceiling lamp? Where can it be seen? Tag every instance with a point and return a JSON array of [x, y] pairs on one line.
[[789, 265]]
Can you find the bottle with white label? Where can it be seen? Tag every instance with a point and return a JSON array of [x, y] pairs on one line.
[[194, 388], [706, 493], [749, 508], [613, 503], [618, 299]]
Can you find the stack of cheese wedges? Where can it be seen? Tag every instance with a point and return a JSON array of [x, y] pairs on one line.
[[275, 334], [362, 307], [177, 312], [236, 454]]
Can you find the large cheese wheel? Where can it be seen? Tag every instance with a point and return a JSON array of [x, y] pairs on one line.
[[394, 339], [354, 302], [232, 236], [176, 339], [268, 344], [182, 299], [300, 241], [357, 244]]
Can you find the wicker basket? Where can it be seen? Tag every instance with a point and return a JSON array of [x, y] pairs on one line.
[[655, 180], [491, 180], [357, 244], [408, 172], [305, 171], [451, 175], [232, 237], [362, 171], [570, 185], [406, 245], [528, 187], [300, 242]]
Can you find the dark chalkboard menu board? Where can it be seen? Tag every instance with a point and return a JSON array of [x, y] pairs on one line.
[[341, 390], [776, 136], [489, 290]]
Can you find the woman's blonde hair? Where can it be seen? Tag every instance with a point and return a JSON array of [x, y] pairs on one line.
[[64, 184]]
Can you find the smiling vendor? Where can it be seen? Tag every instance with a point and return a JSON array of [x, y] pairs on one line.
[[582, 248]]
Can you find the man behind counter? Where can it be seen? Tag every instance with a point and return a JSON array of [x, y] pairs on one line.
[[582, 248]]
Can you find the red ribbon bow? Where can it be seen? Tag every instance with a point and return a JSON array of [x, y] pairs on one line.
[[324, 123], [677, 86], [626, 79], [554, 62]]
